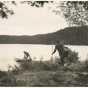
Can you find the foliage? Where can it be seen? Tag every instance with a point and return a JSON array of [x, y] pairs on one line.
[[75, 12], [36, 65], [7, 79], [36, 3], [72, 57], [4, 10]]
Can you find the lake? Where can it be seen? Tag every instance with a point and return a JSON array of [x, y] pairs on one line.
[[8, 52]]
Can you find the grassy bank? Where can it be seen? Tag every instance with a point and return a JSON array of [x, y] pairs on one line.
[[39, 73], [47, 73], [53, 75]]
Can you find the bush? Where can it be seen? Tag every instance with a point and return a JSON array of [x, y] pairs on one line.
[[72, 57], [7, 79]]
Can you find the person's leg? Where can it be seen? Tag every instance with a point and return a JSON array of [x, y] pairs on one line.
[[62, 60]]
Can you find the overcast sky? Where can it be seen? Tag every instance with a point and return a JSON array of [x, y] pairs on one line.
[[30, 21]]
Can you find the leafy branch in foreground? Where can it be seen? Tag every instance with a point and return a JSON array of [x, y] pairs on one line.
[[75, 12], [4, 10]]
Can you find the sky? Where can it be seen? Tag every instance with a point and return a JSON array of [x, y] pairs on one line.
[[30, 21]]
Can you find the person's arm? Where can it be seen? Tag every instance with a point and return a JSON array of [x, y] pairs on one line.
[[54, 51]]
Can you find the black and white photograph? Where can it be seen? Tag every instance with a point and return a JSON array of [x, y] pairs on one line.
[[43, 43]]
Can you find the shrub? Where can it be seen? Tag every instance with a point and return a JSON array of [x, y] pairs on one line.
[[7, 79], [72, 57]]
